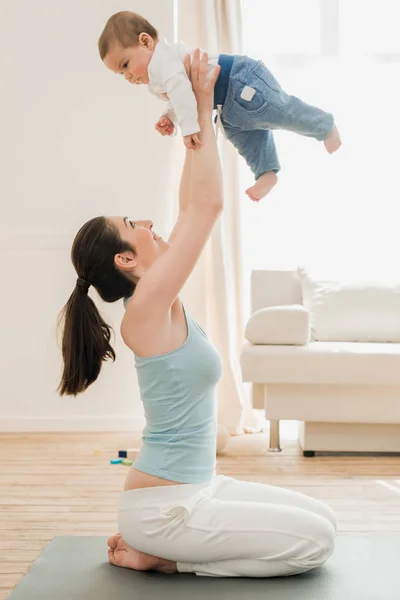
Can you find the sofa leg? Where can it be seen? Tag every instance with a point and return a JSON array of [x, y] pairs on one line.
[[274, 439], [308, 453]]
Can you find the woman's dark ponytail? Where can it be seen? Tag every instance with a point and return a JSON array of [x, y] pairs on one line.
[[86, 343], [86, 336]]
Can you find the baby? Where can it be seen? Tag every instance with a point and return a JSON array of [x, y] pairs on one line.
[[249, 100]]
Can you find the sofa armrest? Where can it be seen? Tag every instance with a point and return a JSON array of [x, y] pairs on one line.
[[282, 325]]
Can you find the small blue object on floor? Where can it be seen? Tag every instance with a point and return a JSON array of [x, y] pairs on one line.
[[363, 567], [123, 453], [116, 461]]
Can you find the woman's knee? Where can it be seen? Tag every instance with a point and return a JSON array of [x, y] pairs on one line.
[[315, 550], [327, 542], [327, 512], [323, 546]]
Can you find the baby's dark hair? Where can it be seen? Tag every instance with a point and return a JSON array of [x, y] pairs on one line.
[[124, 28]]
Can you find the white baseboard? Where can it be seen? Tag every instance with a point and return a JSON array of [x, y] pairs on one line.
[[77, 423]]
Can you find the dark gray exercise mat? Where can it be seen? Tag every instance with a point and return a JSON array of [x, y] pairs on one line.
[[364, 567]]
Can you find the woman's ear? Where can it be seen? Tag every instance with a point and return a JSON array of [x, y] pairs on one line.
[[125, 261]]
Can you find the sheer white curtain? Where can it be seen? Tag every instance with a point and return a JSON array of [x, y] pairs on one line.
[[216, 286], [336, 214]]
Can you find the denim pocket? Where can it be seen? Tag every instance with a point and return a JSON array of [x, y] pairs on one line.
[[240, 113], [267, 90], [253, 105]]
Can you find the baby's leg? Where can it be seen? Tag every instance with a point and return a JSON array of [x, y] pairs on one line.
[[333, 141], [258, 149], [262, 186], [283, 111], [292, 114]]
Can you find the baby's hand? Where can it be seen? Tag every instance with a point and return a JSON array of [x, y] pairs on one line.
[[192, 141], [165, 126]]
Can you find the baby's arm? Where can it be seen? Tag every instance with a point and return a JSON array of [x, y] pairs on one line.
[[180, 93], [166, 125], [170, 113]]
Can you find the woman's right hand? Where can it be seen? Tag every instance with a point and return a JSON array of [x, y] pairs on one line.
[[203, 87]]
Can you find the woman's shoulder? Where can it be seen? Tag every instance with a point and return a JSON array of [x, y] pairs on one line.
[[148, 332], [141, 315]]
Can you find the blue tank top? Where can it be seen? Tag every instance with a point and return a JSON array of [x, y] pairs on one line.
[[178, 391]]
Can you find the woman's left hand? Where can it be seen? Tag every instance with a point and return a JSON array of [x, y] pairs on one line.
[[203, 86]]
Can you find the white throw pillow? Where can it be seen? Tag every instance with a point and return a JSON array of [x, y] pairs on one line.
[[283, 325], [358, 312]]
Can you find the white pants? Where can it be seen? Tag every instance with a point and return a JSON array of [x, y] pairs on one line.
[[229, 528]]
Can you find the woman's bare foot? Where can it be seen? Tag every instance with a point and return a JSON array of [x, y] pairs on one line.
[[122, 555], [262, 186], [333, 141]]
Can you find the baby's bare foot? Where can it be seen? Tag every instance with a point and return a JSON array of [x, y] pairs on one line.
[[333, 141], [262, 186], [122, 555]]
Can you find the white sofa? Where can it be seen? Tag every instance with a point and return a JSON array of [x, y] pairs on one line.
[[346, 394]]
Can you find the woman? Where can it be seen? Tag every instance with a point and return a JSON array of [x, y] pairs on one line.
[[175, 514]]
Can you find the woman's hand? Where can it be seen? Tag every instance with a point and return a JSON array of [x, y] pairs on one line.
[[203, 87]]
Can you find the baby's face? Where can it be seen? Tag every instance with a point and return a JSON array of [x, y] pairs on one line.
[[132, 62]]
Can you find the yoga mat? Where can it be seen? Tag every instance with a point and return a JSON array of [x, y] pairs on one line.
[[363, 567]]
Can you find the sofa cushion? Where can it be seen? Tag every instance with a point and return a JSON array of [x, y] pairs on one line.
[[322, 362], [279, 325], [359, 312]]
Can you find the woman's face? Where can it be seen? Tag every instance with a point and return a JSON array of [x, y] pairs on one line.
[[147, 244]]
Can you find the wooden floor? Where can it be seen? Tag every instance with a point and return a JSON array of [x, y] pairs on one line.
[[54, 484]]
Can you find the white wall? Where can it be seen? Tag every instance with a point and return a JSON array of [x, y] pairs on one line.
[[77, 141]]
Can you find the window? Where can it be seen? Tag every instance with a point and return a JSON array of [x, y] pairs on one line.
[[284, 27], [336, 214], [369, 27]]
